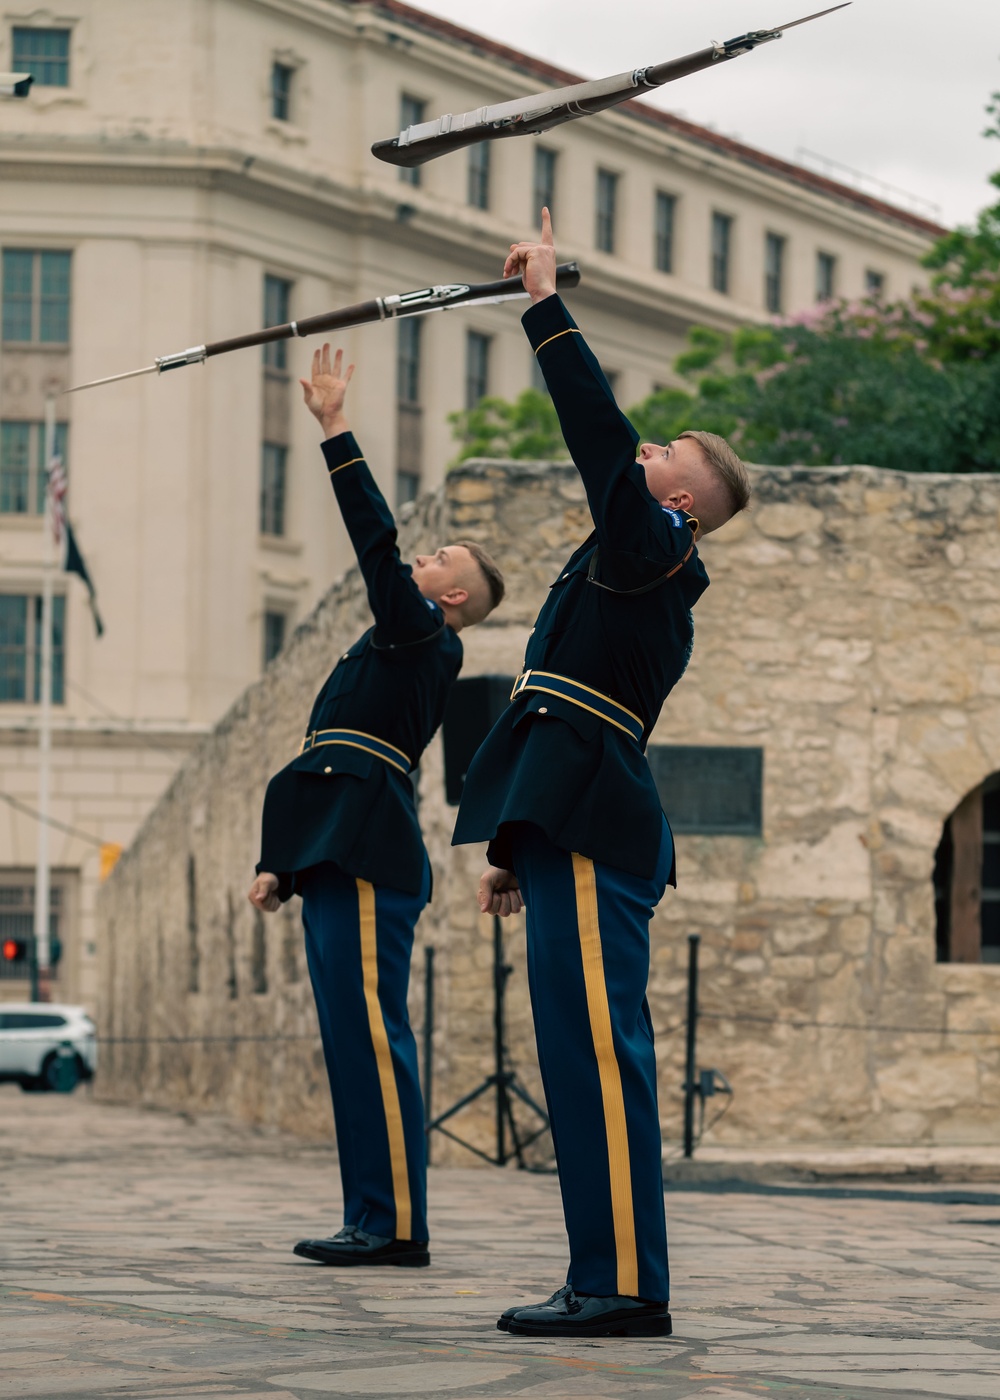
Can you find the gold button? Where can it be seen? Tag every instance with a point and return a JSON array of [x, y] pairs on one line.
[[327, 770], [543, 709], [532, 632], [345, 656]]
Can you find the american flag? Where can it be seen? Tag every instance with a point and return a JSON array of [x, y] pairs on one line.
[[62, 533], [57, 498]]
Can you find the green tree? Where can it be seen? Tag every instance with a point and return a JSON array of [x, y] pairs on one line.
[[912, 385], [526, 428]]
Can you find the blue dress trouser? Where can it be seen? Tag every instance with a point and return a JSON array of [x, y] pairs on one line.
[[588, 965], [359, 938]]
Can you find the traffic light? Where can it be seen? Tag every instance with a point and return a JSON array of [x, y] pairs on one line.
[[15, 949]]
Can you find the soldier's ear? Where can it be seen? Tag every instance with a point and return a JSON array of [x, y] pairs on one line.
[[455, 596]]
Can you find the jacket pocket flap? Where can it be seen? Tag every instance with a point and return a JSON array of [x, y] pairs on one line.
[[327, 759], [587, 725]]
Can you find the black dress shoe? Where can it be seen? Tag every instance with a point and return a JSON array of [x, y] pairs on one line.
[[572, 1314], [352, 1246], [503, 1321]]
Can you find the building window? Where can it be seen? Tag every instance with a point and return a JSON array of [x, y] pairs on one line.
[[21, 648], [275, 628], [722, 237], [479, 175], [411, 113], [477, 367], [874, 282], [44, 53], [666, 207], [23, 468], [408, 361], [17, 930], [826, 276], [409, 414], [35, 296], [273, 487], [281, 91], [607, 197], [277, 303], [967, 879], [774, 268], [543, 195]]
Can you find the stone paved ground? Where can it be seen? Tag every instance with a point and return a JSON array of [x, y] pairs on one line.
[[148, 1255]]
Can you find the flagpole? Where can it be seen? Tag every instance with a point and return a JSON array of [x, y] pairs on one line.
[[40, 949]]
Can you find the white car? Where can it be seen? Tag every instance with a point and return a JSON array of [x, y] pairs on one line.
[[46, 1046]]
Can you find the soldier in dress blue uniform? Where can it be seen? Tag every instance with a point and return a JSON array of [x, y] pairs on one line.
[[340, 829], [562, 792]]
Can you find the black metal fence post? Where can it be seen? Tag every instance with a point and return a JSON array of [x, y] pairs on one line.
[[690, 1087]]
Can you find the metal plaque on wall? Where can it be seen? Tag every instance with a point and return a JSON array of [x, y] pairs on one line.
[[710, 790]]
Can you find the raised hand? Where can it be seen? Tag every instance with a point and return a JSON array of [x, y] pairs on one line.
[[324, 394], [535, 261]]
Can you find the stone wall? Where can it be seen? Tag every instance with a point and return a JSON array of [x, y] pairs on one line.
[[852, 630]]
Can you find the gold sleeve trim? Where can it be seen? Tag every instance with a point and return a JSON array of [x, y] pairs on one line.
[[570, 330], [346, 464]]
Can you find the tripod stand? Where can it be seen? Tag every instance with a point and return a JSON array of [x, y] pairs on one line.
[[503, 1080]]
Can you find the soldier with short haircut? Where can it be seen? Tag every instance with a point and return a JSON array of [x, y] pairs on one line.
[[563, 793], [340, 829]]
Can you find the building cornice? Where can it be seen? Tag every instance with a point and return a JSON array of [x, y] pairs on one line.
[[421, 223]]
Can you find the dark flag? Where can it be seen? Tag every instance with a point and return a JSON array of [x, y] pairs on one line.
[[73, 564], [63, 532]]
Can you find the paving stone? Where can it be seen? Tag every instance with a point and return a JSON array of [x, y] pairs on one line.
[[159, 1266]]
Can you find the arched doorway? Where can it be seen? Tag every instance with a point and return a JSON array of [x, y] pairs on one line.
[[967, 879]]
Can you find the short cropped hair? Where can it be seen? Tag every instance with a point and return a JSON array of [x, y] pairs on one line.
[[726, 466], [489, 571]]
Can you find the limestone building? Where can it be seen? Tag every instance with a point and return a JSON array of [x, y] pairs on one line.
[[838, 863], [185, 170]]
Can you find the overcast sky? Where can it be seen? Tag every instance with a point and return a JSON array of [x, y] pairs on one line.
[[895, 89]]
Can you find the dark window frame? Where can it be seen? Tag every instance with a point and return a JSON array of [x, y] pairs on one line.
[[277, 312], [282, 84], [273, 516], [24, 474], [826, 276], [721, 252], [48, 69], [606, 209], [412, 111], [477, 366], [478, 175], [20, 657], [775, 246], [545, 164], [664, 230], [46, 310], [273, 638]]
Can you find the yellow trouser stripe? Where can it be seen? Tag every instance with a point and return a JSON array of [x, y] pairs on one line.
[[615, 1127], [383, 1058]]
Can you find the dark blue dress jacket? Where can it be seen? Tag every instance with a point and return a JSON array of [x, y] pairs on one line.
[[546, 761], [336, 802]]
